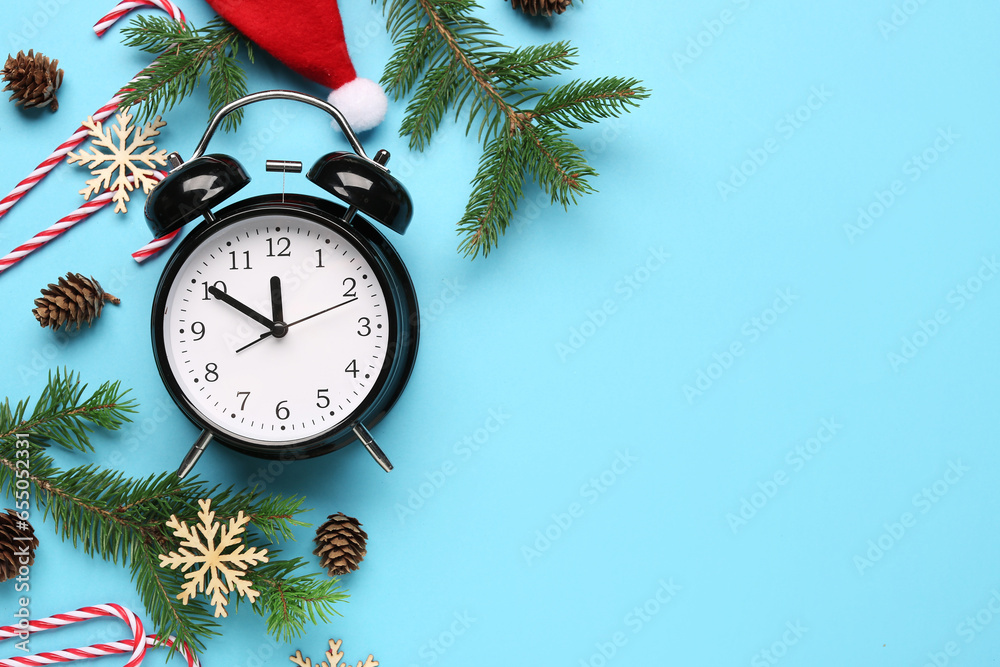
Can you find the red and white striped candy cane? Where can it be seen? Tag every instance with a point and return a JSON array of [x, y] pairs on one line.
[[99, 651], [153, 247], [126, 6], [102, 114], [83, 614], [127, 645], [136, 646], [82, 213]]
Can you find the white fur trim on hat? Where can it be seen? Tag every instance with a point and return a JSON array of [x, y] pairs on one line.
[[363, 103]]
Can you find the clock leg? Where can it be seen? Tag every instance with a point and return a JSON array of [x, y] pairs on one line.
[[192, 456], [369, 442]]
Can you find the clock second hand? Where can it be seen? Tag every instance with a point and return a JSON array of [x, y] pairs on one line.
[[268, 334]]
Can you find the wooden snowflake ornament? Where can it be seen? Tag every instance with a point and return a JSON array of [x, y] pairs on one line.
[[333, 658], [121, 168], [223, 570]]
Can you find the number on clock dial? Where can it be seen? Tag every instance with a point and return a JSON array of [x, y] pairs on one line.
[[322, 400], [218, 284], [245, 264], [283, 244]]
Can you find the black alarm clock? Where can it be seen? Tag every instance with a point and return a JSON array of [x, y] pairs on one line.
[[284, 325]]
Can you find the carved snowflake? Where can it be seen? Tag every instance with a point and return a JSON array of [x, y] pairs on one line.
[[222, 570], [122, 159], [333, 658]]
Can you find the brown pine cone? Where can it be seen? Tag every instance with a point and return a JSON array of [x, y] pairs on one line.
[[74, 300], [17, 545], [536, 7], [34, 80], [340, 544]]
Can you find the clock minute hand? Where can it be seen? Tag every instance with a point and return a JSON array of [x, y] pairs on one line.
[[242, 307], [325, 310]]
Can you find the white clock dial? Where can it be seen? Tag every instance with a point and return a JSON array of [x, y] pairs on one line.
[[241, 377]]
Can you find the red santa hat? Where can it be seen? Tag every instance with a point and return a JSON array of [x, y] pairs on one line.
[[309, 38]]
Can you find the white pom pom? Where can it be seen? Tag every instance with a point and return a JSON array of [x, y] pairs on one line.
[[362, 102]]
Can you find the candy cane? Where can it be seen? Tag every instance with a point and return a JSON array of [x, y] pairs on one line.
[[83, 614], [99, 651], [78, 137], [82, 213], [126, 6], [153, 247], [136, 646]]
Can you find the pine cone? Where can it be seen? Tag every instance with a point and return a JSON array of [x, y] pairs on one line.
[[536, 7], [340, 544], [17, 541], [34, 80], [74, 300]]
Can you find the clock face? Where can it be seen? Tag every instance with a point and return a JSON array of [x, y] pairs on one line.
[[277, 385]]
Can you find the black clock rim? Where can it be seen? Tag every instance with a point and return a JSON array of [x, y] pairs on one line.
[[393, 278]]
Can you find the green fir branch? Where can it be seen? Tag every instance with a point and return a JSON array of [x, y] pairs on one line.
[[532, 63], [587, 101], [409, 60], [496, 189], [122, 520], [556, 163], [60, 416], [449, 60], [289, 600], [430, 104], [185, 53]]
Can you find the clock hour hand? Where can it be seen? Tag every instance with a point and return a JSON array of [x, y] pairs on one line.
[[242, 307]]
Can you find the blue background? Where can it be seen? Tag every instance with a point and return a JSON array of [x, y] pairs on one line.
[[591, 349]]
